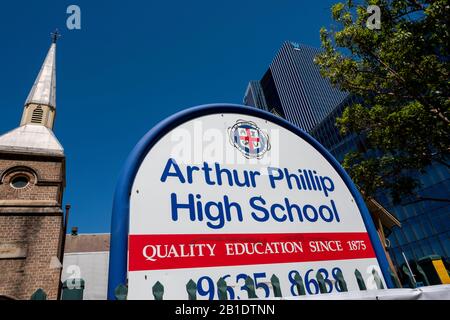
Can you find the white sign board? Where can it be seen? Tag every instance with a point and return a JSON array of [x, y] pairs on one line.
[[232, 195]]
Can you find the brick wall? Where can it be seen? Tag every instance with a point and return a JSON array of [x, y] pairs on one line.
[[30, 224], [40, 236], [45, 178]]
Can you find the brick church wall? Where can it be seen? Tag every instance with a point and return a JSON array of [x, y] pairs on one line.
[[40, 237], [30, 225]]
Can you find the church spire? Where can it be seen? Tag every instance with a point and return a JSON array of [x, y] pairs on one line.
[[40, 106]]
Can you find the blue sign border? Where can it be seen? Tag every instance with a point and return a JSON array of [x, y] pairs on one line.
[[120, 214]]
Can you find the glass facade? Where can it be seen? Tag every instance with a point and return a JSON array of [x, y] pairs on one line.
[[254, 96], [271, 94], [294, 89], [425, 226]]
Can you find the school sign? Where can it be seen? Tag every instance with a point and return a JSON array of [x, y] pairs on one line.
[[231, 192]]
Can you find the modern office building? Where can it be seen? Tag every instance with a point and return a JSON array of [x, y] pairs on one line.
[[425, 225], [293, 88], [254, 96]]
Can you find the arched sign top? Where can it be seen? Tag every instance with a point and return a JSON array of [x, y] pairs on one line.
[[253, 136]]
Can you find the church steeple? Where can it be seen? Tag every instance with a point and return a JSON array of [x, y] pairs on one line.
[[32, 182], [35, 133], [40, 106]]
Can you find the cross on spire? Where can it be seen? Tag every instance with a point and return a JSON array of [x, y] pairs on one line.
[[55, 35]]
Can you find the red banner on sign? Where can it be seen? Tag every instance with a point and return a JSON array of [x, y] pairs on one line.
[[160, 252]]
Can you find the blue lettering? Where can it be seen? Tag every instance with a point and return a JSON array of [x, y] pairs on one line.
[[289, 208], [336, 214], [314, 211], [229, 205], [216, 213], [273, 213], [175, 206], [190, 170], [214, 217], [322, 214], [273, 178], [327, 185], [166, 173], [255, 206], [289, 177], [207, 170], [220, 171]]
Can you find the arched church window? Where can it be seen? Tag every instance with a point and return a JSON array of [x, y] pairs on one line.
[[37, 115]]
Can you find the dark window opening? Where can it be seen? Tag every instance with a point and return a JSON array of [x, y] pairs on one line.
[[20, 182]]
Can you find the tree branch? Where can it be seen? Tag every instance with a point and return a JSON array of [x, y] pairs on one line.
[[416, 96], [406, 13]]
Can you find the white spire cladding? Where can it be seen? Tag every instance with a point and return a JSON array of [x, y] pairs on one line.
[[35, 133], [31, 138], [40, 106], [43, 91]]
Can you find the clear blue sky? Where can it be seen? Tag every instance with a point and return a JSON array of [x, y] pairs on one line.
[[134, 63]]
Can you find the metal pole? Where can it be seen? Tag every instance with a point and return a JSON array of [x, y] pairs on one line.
[[63, 244], [409, 268]]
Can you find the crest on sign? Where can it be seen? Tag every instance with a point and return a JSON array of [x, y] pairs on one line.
[[249, 139]]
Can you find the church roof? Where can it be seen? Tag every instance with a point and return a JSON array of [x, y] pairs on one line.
[[31, 138], [44, 87]]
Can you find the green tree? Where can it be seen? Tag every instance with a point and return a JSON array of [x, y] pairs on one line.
[[401, 73]]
